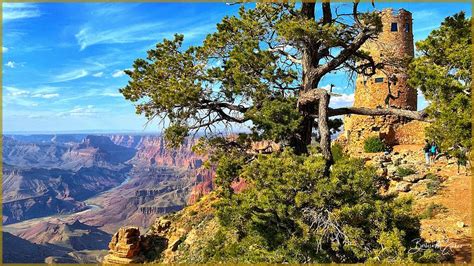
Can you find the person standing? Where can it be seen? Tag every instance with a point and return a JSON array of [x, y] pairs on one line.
[[426, 150], [433, 151]]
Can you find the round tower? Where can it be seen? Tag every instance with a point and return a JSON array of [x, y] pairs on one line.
[[388, 87], [394, 48]]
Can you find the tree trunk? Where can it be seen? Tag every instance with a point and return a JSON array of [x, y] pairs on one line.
[[325, 141]]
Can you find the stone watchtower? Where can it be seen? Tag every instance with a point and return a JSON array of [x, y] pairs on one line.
[[387, 87]]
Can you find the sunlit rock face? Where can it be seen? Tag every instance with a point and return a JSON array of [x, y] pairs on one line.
[[124, 248]]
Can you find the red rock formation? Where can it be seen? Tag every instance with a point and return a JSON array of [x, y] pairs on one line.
[[152, 151], [124, 248], [204, 184]]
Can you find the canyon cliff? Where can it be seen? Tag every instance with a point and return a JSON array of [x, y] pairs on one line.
[[105, 181]]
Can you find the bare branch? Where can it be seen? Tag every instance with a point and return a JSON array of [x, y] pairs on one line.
[[416, 115], [281, 50]]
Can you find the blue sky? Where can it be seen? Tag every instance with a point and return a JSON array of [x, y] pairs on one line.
[[63, 63]]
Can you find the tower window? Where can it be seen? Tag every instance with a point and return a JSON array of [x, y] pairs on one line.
[[394, 26], [407, 27], [378, 80]]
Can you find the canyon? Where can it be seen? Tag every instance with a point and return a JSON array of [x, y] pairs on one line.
[[94, 183]]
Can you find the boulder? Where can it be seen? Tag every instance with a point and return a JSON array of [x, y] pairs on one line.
[[391, 170], [397, 161], [403, 186], [124, 248], [413, 178], [161, 225]]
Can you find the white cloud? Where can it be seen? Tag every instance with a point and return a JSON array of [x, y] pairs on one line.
[[424, 15], [91, 34], [98, 74], [72, 75], [342, 100], [111, 94], [46, 95], [118, 73], [15, 11], [17, 96], [10, 64], [46, 89], [15, 92], [4, 49], [45, 92], [89, 110], [88, 36]]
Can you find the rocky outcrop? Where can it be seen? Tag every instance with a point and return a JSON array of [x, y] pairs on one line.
[[418, 181], [124, 248], [203, 184], [264, 146], [152, 151]]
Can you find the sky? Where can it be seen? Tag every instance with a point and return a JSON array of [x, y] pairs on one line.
[[63, 62]]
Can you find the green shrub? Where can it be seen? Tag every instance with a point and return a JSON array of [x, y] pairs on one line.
[[432, 210], [293, 213], [374, 144], [433, 185], [404, 171], [338, 152], [433, 177]]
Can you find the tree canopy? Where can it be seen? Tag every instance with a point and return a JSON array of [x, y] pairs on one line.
[[261, 69], [443, 73]]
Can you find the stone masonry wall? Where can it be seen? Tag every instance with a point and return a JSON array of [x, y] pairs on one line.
[[392, 48]]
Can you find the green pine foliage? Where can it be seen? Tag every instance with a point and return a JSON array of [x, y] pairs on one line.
[[374, 144], [442, 71], [338, 153], [292, 213]]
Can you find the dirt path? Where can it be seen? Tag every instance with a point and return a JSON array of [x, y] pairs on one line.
[[451, 228]]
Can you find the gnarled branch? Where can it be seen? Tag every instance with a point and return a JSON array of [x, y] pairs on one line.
[[415, 115]]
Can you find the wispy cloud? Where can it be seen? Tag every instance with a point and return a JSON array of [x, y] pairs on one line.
[[429, 28], [98, 74], [10, 64], [94, 93], [426, 14], [72, 75], [89, 110], [21, 97], [88, 35], [118, 73], [14, 92], [111, 94], [4, 49], [15, 11], [46, 95]]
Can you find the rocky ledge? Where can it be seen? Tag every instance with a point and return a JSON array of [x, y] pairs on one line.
[[124, 248]]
